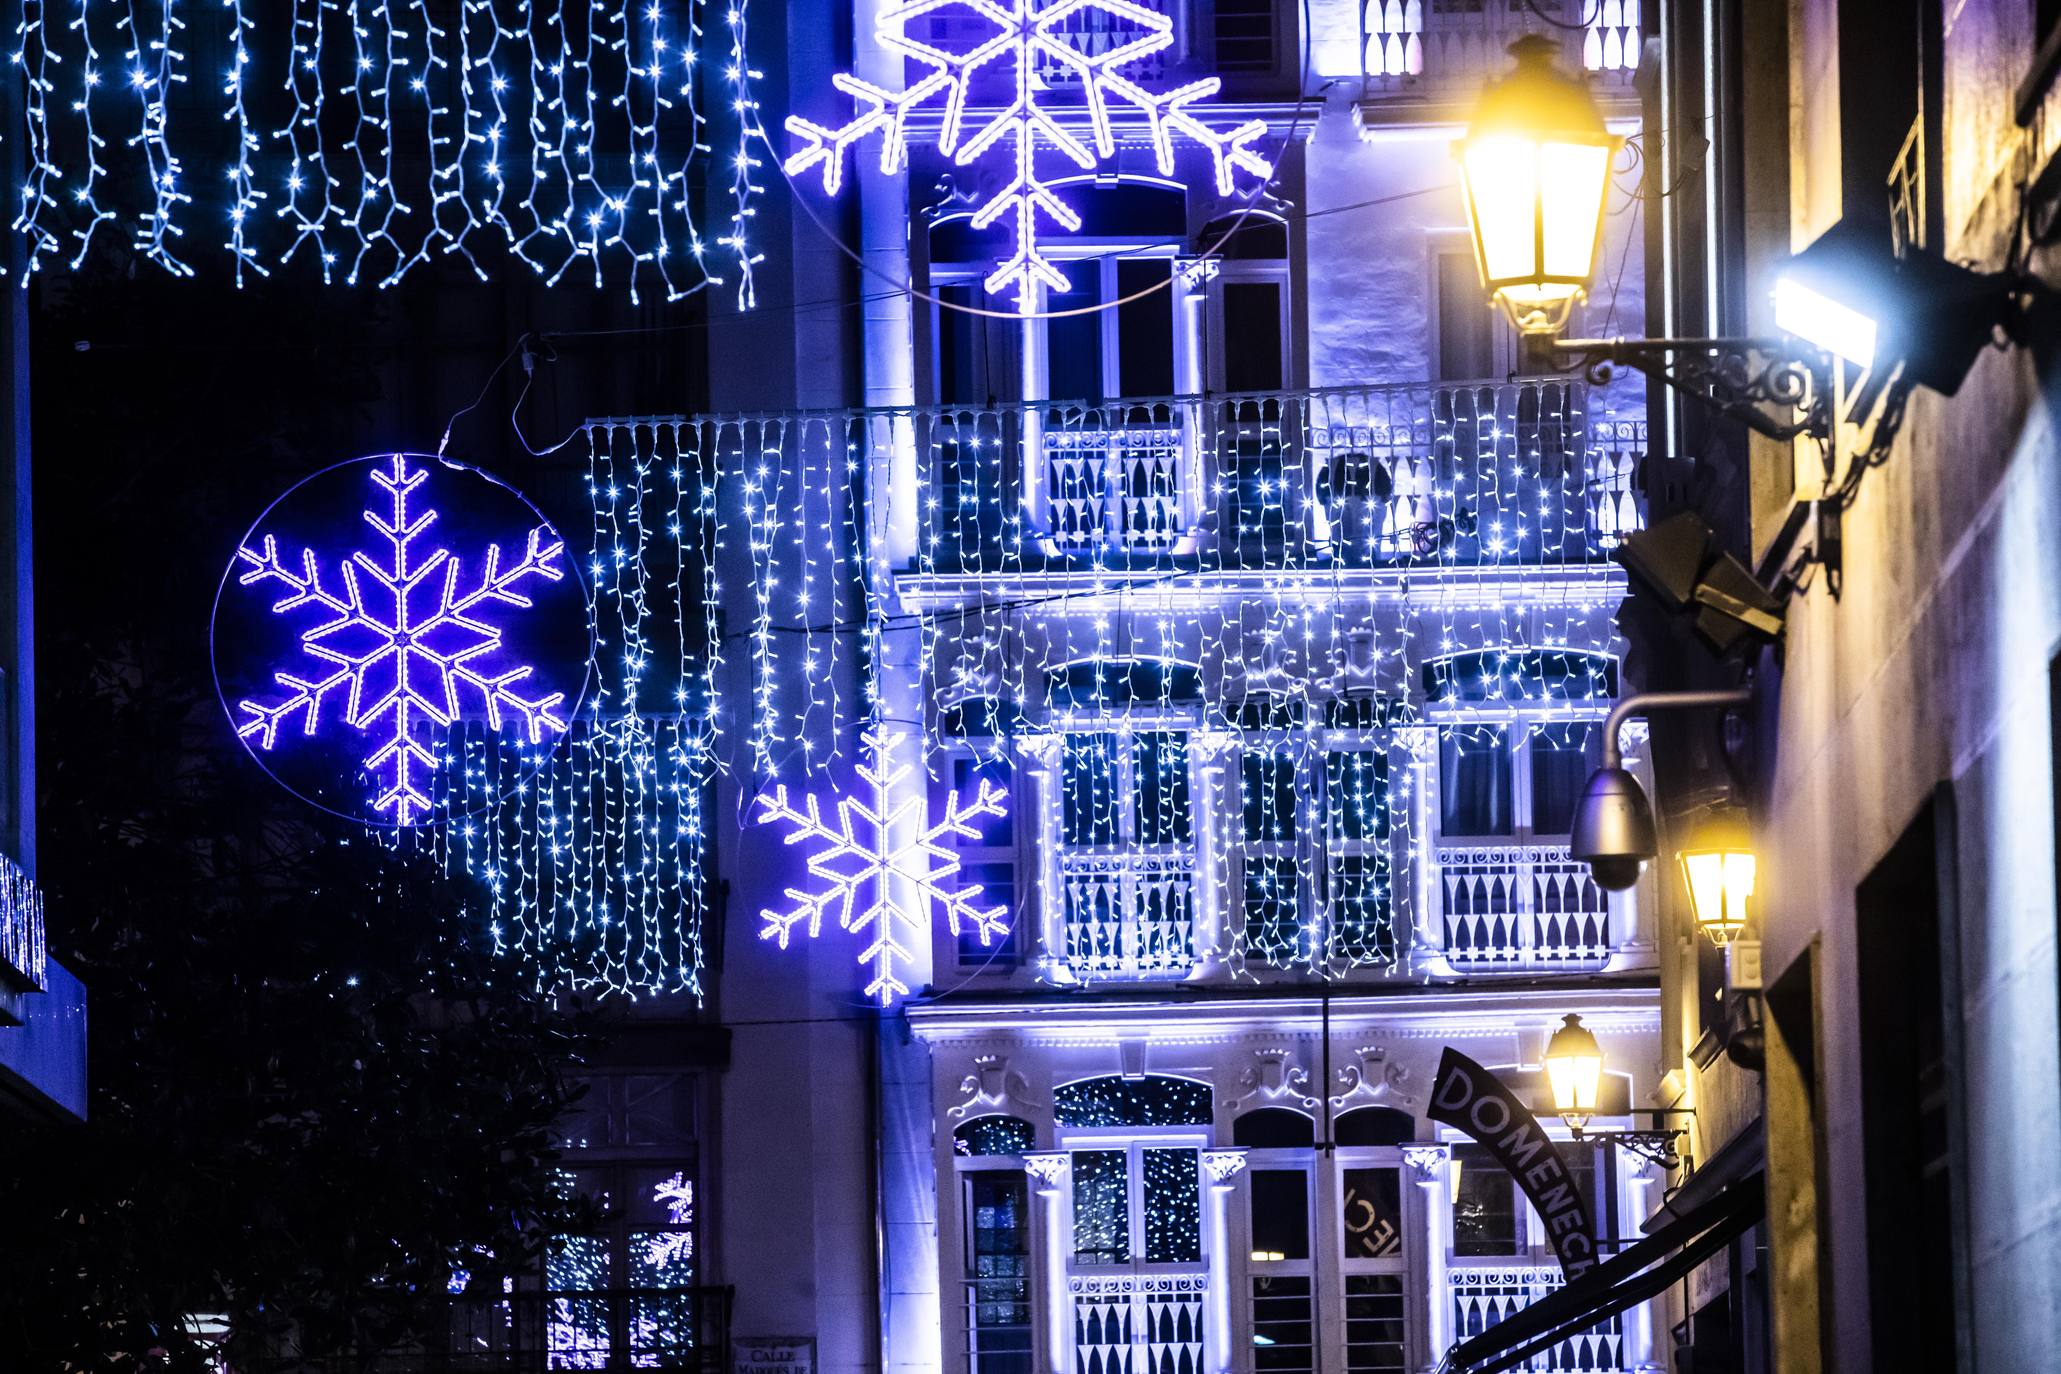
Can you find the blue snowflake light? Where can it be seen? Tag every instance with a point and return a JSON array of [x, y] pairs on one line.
[[400, 640]]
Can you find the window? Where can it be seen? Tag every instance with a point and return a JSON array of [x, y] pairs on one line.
[[1466, 320], [1485, 1216], [1475, 781], [624, 1296], [1362, 927], [1371, 1231], [1243, 35], [998, 1292], [987, 859], [1254, 352], [1249, 323], [1563, 754], [1909, 1029], [1272, 905], [1154, 1100], [1103, 354], [1492, 1218], [1280, 1214], [1126, 833], [987, 1137]]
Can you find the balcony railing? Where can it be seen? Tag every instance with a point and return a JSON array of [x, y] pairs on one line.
[[679, 1329], [1420, 474], [1521, 907], [24, 961], [1128, 915], [1485, 1293], [1446, 47]]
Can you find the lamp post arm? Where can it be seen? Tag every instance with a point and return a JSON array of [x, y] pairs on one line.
[[1646, 703]]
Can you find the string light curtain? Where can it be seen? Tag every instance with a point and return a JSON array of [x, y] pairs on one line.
[[362, 139], [597, 863], [1224, 644]]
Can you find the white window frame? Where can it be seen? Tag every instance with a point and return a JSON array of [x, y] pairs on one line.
[[1249, 270], [1123, 729]]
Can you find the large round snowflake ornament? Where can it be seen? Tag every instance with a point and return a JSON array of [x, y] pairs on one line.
[[383, 604], [1036, 40]]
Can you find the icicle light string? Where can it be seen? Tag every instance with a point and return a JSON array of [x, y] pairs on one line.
[[1242, 778], [375, 137]]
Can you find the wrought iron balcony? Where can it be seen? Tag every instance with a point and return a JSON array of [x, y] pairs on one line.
[[1519, 472], [1485, 1292], [1520, 907], [1128, 915], [680, 1329], [1443, 49], [24, 966]]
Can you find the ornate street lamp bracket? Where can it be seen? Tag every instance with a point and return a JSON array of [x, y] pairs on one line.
[[1777, 387], [1656, 1146]]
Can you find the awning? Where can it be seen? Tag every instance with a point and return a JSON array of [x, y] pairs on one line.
[[1625, 1280]]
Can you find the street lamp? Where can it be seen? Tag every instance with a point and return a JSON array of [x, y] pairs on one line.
[[1535, 165], [1719, 869], [1574, 1070]]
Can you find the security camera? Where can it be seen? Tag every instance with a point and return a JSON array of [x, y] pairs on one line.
[[1613, 829]]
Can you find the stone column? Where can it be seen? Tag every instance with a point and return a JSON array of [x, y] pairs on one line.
[[1219, 1167], [1431, 1167], [1050, 1172]]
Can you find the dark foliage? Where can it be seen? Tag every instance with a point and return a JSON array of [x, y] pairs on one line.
[[313, 1089]]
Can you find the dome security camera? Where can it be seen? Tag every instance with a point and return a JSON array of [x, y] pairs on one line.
[[1613, 828]]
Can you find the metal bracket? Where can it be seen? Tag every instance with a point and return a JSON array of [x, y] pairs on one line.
[[1776, 387], [1655, 1146]]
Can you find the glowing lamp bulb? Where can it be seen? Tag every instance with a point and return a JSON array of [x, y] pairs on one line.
[[1833, 326], [1574, 1069]]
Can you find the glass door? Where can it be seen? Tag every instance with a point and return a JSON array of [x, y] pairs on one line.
[[1136, 1272]]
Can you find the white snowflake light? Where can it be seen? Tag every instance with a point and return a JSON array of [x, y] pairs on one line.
[[1029, 34], [402, 638], [860, 866]]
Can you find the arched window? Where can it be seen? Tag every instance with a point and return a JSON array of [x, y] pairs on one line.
[[1374, 1126], [981, 718], [1122, 682], [1154, 1100], [1515, 676], [1274, 1128], [987, 1136]]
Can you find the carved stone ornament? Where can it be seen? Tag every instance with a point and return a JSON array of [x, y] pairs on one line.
[[993, 1087], [1273, 1079], [1221, 1165], [1049, 1168], [1428, 1161], [1374, 1077]]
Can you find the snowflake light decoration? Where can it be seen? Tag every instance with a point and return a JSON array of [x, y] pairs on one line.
[[1030, 34], [664, 1249], [400, 642], [859, 865]]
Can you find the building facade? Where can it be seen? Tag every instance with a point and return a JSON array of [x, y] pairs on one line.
[[42, 1006], [1905, 740], [1252, 602]]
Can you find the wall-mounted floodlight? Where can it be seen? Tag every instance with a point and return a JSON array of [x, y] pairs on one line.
[[1678, 562], [1917, 315]]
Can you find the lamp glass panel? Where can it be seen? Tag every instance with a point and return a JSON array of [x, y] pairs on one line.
[[1719, 881], [1502, 190], [1575, 1078], [1572, 180], [1816, 318]]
